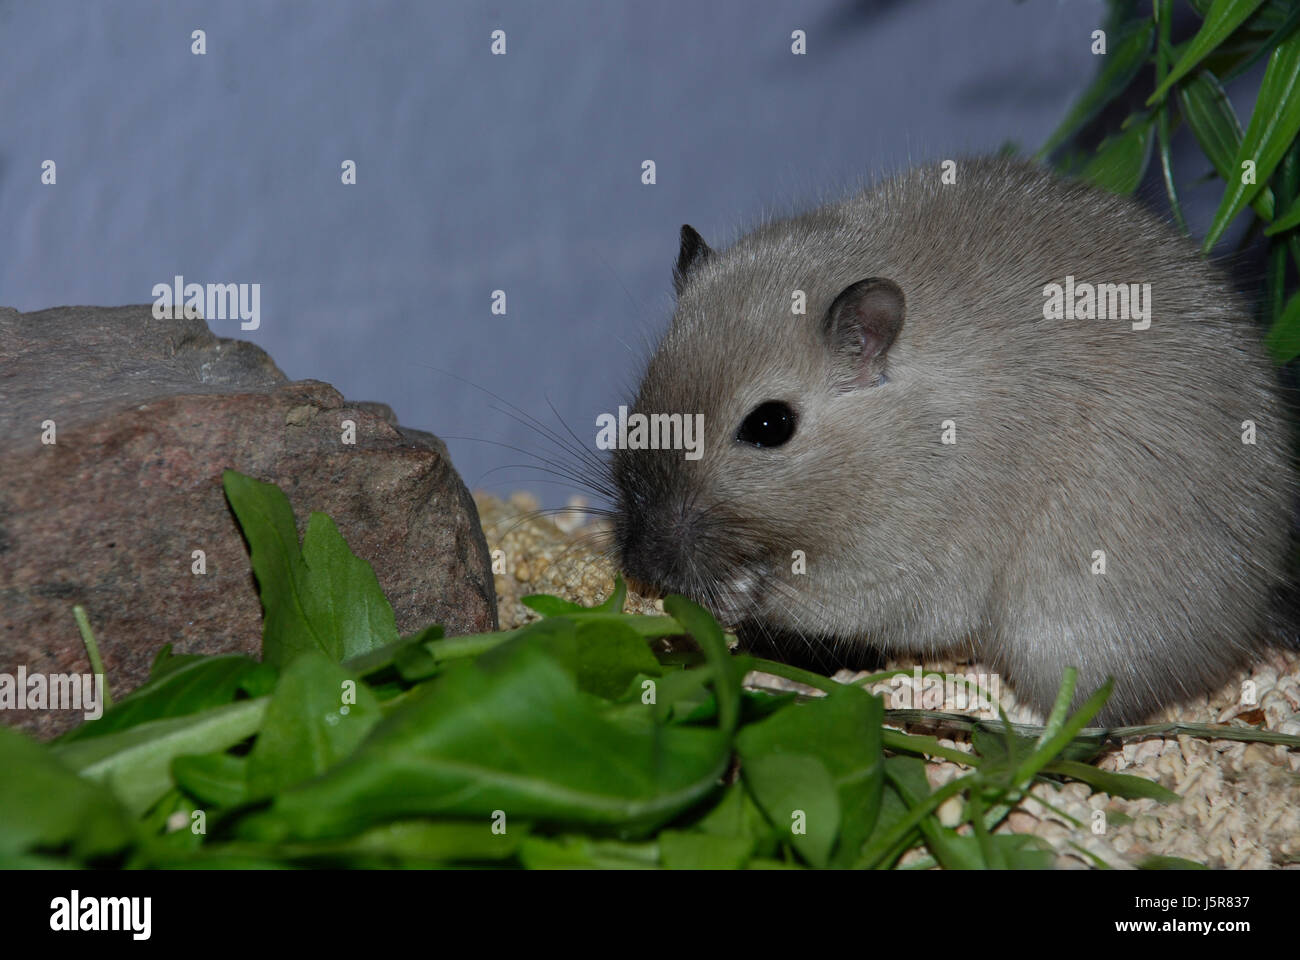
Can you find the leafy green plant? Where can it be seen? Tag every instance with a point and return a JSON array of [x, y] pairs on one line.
[[565, 743], [1259, 167]]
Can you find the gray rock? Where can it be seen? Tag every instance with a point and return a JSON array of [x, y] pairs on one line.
[[148, 413]]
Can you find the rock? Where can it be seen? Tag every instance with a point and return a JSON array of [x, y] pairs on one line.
[[147, 414]]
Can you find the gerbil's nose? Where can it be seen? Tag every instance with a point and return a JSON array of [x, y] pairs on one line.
[[652, 557]]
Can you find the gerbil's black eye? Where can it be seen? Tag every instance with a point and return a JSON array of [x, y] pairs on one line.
[[769, 424]]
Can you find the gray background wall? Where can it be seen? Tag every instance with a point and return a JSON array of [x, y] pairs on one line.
[[476, 172]]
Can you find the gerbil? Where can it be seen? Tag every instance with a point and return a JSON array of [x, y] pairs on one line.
[[1102, 505]]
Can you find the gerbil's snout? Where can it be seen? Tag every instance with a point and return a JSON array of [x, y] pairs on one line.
[[655, 548], [689, 550]]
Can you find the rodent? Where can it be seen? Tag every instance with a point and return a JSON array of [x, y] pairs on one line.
[[925, 313]]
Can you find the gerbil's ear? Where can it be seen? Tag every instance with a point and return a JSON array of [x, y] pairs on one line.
[[860, 327], [693, 252]]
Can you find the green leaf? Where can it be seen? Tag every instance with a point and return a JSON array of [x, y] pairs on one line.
[[881, 850], [727, 673], [136, 763], [1209, 115], [690, 850], [179, 686], [509, 732], [1272, 129], [219, 779], [737, 815], [913, 787], [1287, 221], [551, 606], [610, 655], [1283, 339], [320, 597], [45, 806], [1116, 784], [1280, 23], [266, 518], [1120, 66], [1048, 749], [318, 715], [441, 841], [584, 853], [1122, 160], [1221, 21], [1170, 863], [840, 730], [1025, 852], [799, 796], [342, 598], [380, 658]]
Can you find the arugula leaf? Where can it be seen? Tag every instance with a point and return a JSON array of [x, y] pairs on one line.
[[317, 597], [136, 763], [48, 807], [842, 733], [513, 734], [219, 779], [179, 686], [317, 716]]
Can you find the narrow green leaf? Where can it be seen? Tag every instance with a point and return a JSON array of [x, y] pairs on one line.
[[1209, 115], [1271, 132], [1281, 30], [1170, 863], [1116, 784], [1221, 21], [614, 603], [1053, 746], [910, 781], [1288, 221], [1060, 709], [1118, 69]]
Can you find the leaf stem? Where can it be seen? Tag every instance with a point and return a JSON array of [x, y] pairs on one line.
[[1164, 16], [92, 650]]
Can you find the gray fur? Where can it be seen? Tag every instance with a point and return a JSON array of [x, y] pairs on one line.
[[1072, 436]]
